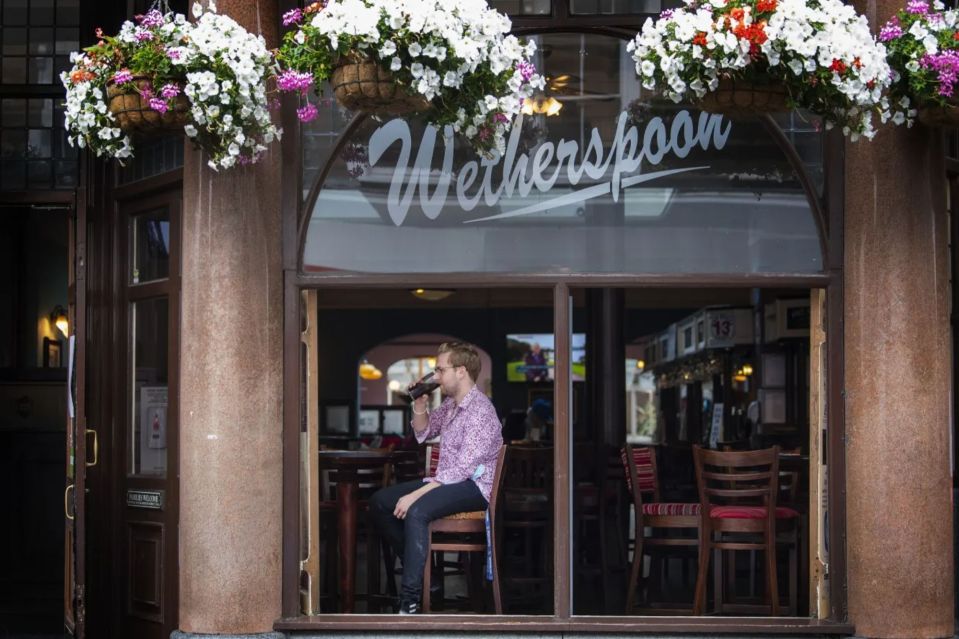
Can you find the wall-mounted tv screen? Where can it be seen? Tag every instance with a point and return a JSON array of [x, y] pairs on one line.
[[530, 357]]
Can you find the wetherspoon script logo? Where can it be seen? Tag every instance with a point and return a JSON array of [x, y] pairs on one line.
[[609, 169]]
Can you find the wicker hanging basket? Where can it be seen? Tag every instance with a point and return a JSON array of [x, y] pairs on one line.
[[135, 117], [360, 84], [937, 116], [744, 99]]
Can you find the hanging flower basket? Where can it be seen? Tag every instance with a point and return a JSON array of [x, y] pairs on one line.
[[923, 45], [135, 116], [360, 84], [743, 100], [162, 73], [747, 57], [453, 61]]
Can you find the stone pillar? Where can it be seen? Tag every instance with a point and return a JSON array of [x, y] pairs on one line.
[[231, 356], [898, 379]]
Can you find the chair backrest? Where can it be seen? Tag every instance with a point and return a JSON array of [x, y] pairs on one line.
[[432, 459], [740, 478], [406, 465], [497, 482], [529, 468], [642, 478]]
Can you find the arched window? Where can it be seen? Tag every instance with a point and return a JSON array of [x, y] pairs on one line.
[[599, 178]]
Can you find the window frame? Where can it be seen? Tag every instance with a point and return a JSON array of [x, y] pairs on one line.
[[828, 211]]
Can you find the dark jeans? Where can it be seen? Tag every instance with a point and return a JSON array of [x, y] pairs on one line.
[[409, 537]]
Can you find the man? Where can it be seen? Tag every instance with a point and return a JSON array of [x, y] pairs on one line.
[[535, 361], [470, 441]]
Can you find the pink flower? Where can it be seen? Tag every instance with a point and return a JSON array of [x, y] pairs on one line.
[[173, 54], [293, 16], [146, 91], [153, 18], [291, 80], [122, 76], [307, 113], [170, 91], [158, 104], [142, 35]]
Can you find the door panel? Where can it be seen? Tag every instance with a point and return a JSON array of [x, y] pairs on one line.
[[74, 495], [147, 446]]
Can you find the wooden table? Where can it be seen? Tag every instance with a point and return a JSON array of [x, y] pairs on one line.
[[347, 464]]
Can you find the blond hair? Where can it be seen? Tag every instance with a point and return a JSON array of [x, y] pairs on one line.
[[463, 354]]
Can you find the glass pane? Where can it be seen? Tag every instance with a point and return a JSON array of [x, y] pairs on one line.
[[373, 366], [14, 70], [38, 175], [38, 143], [68, 12], [13, 143], [607, 7], [14, 41], [41, 41], [13, 175], [150, 246], [597, 177], [41, 113], [15, 12], [41, 70], [637, 412], [65, 175], [148, 419], [67, 40], [41, 12], [523, 7], [13, 113]]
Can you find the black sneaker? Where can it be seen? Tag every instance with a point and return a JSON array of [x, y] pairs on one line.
[[409, 607]]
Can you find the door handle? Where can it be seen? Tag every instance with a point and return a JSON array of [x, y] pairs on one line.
[[66, 503], [96, 448]]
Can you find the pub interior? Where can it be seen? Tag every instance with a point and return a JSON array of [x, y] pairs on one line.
[[656, 374]]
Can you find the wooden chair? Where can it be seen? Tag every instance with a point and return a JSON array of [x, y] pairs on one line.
[[643, 480], [466, 532], [738, 493], [527, 525]]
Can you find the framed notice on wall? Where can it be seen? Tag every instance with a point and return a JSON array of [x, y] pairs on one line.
[[153, 431]]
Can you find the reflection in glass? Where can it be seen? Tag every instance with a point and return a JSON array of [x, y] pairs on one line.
[[615, 182], [523, 7], [607, 7], [150, 246], [149, 327]]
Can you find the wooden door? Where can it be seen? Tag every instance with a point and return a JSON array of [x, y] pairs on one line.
[[147, 443], [74, 496]]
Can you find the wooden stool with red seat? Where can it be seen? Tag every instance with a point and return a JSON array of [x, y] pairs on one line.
[[738, 492], [642, 480]]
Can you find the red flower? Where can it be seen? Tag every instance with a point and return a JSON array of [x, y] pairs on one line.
[[766, 5], [737, 13], [857, 63], [838, 66], [700, 39]]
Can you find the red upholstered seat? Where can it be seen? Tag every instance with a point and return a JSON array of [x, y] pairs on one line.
[[671, 509], [750, 512]]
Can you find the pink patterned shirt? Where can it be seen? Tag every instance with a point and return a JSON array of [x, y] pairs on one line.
[[471, 435]]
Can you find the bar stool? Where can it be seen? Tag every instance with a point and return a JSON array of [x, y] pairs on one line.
[[642, 479], [467, 532], [738, 492]]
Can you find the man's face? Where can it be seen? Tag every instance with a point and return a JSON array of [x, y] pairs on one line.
[[447, 376]]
